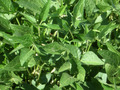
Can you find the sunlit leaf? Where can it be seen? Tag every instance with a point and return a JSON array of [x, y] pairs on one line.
[[45, 11], [25, 54], [66, 80], [90, 58], [78, 12], [65, 66]]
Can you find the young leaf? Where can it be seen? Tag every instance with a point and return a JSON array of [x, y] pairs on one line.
[[78, 12], [45, 11], [65, 66], [59, 12], [52, 26], [20, 46], [29, 18], [90, 58], [25, 55]]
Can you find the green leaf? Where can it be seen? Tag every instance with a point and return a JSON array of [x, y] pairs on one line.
[[54, 48], [26, 40], [107, 87], [91, 35], [20, 30], [20, 46], [66, 80], [89, 7], [32, 5], [75, 51], [112, 49], [101, 77], [45, 11], [7, 37], [113, 73], [111, 66], [16, 79], [78, 12], [81, 74], [78, 87], [65, 66], [41, 86], [102, 16], [25, 55], [4, 87], [31, 62], [6, 6], [4, 23], [27, 86], [107, 30], [14, 65], [59, 12], [37, 50], [55, 87], [65, 25], [29, 18], [52, 26], [90, 58], [81, 71], [110, 57], [103, 6], [8, 16]]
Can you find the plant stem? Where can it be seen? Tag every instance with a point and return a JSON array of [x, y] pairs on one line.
[[115, 87], [39, 31], [41, 67], [17, 21]]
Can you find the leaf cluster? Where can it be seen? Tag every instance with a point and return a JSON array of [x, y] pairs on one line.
[[59, 44]]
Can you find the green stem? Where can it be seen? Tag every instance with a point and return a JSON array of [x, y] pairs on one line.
[[89, 46], [28, 72], [17, 21], [40, 70], [71, 34], [39, 31], [66, 36], [115, 87]]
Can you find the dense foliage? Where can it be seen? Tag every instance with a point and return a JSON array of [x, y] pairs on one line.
[[59, 45]]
